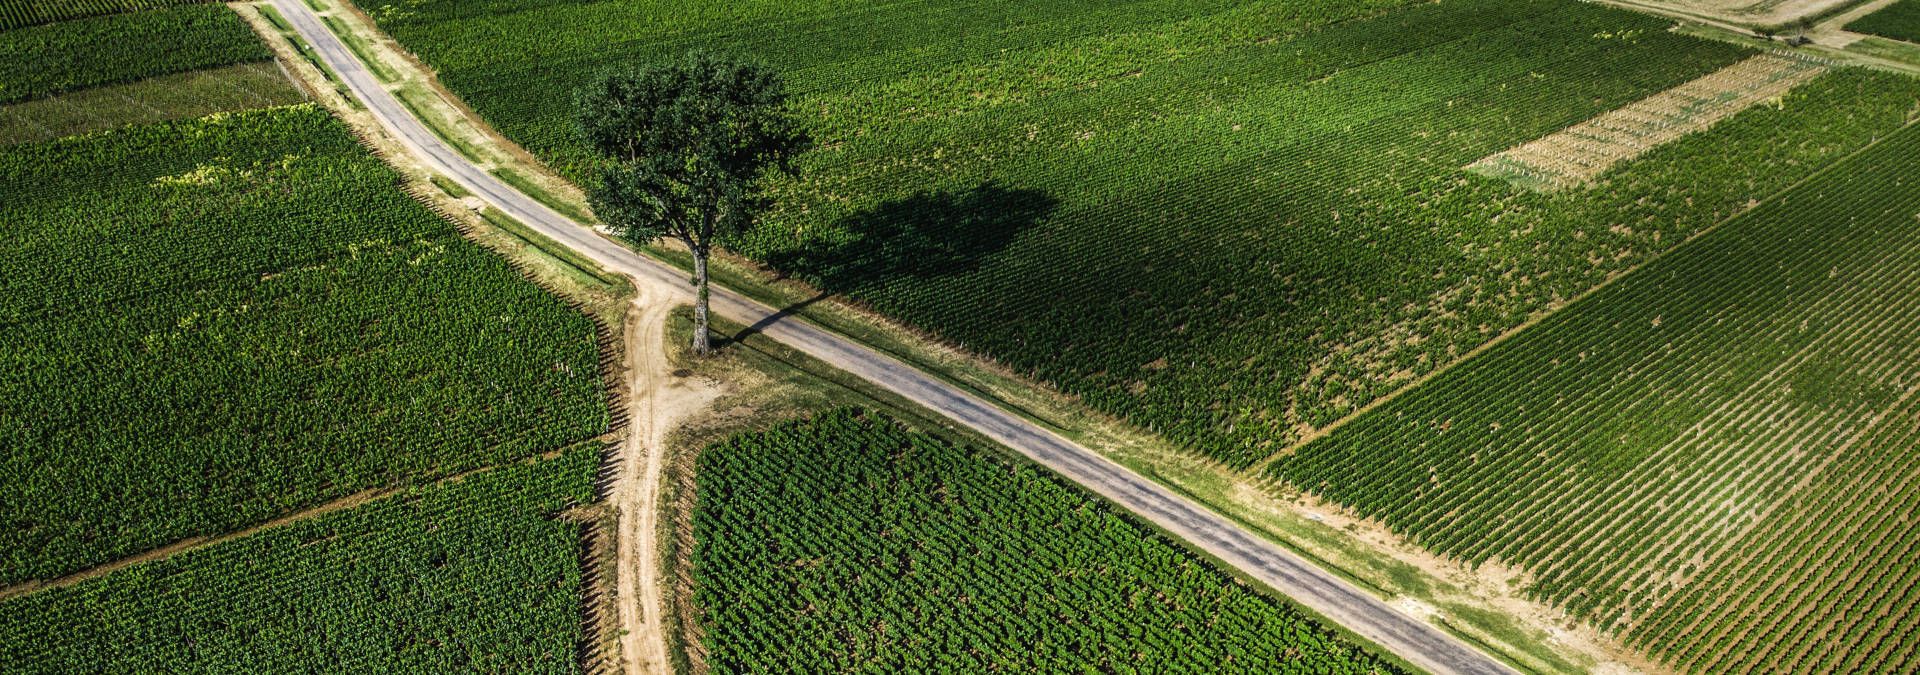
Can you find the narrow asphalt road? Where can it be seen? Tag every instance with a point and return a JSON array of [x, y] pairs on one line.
[[1324, 592]]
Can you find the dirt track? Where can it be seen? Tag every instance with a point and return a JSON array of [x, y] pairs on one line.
[[658, 402]]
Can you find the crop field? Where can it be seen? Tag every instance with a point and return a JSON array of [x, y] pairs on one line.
[[250, 317], [43, 60], [847, 543], [1712, 457], [473, 575], [18, 13], [1259, 208], [70, 78], [258, 84], [1574, 156], [1900, 21]]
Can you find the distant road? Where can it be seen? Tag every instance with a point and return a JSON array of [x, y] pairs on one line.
[[1324, 592]]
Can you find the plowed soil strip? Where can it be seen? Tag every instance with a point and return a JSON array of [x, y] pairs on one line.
[[1580, 153]]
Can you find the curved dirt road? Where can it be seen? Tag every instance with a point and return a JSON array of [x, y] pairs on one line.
[[1415, 641]]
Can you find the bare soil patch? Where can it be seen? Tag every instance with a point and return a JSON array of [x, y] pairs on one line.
[[1580, 153]]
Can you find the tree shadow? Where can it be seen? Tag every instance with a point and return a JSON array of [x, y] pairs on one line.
[[927, 234]]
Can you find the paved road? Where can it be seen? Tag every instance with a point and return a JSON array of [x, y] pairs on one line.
[[1416, 642]]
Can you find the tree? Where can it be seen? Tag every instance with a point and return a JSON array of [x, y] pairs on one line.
[[684, 149]]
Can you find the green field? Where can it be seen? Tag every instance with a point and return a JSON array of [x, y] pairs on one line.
[[248, 317], [475, 575], [18, 13], [1712, 457], [197, 93], [1900, 21], [1231, 223], [1257, 207], [51, 59], [133, 68], [848, 544]]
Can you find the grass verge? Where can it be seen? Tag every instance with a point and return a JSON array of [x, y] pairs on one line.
[[419, 104], [540, 193], [286, 31], [358, 46]]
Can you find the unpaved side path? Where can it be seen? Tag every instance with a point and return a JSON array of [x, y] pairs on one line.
[[658, 402]]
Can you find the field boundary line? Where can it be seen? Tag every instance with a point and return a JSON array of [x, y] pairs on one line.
[[196, 542], [1259, 467]]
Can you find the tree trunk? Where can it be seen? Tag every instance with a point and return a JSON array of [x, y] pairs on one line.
[[702, 343]]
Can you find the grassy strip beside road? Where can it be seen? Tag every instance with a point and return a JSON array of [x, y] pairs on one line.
[[540, 193]]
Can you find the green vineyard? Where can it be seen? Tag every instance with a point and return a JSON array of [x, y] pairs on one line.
[[1900, 21], [62, 57], [849, 544], [18, 13], [250, 317], [1330, 337], [474, 575], [1712, 457], [1257, 207], [187, 95]]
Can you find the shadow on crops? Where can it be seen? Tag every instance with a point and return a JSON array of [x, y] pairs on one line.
[[925, 235]]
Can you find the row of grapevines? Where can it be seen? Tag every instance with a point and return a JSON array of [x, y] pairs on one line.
[[19, 13], [1845, 602], [849, 544], [246, 317], [1900, 21], [40, 60], [1630, 446], [472, 575]]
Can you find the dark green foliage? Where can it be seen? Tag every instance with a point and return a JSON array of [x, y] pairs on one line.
[[61, 57], [685, 146], [1634, 449], [249, 317], [17, 13], [476, 575], [684, 149], [848, 544], [1900, 21]]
